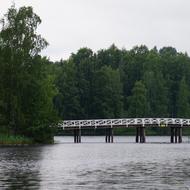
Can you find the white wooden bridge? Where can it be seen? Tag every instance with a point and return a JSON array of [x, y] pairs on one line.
[[125, 122], [176, 125]]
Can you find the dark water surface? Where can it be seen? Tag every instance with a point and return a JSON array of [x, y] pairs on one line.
[[94, 164]]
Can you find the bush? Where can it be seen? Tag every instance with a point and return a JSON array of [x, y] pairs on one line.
[[13, 140]]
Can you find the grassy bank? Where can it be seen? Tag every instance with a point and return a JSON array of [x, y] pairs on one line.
[[14, 140]]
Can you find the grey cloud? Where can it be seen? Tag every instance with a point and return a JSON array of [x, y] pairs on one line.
[[71, 24]]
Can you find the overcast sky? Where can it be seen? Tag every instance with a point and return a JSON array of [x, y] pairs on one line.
[[71, 24]]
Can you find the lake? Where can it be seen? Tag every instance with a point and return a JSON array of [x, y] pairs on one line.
[[93, 164]]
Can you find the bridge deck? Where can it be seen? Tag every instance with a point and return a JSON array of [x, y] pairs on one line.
[[125, 122]]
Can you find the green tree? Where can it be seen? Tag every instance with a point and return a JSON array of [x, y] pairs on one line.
[[67, 101], [27, 87], [85, 67], [107, 94], [156, 94], [172, 71], [138, 104], [109, 57], [132, 69], [183, 100]]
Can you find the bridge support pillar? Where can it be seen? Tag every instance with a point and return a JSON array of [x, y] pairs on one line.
[[180, 134], [140, 135], [172, 135], [176, 134], [137, 134], [109, 135], [77, 135]]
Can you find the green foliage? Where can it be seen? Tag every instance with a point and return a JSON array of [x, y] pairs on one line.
[[119, 83], [27, 87], [156, 94], [107, 94], [109, 57], [14, 140], [183, 100], [87, 90], [138, 104], [42, 133], [67, 101], [111, 83]]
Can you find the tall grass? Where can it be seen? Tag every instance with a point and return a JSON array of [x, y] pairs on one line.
[[14, 140]]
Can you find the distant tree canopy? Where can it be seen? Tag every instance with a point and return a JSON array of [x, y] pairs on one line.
[[116, 83], [111, 83]]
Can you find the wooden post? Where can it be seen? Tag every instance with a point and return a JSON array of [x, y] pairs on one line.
[[111, 131], [140, 134], [74, 133], [180, 134], [176, 134], [106, 137], [172, 135], [137, 134], [109, 135], [79, 135], [143, 134]]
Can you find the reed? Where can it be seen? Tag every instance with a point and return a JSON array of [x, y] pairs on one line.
[[14, 140]]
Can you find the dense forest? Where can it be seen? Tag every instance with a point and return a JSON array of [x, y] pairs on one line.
[[114, 83], [35, 93]]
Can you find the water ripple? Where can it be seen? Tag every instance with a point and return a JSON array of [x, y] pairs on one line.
[[100, 166]]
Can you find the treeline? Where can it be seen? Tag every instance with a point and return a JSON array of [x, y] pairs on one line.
[[36, 93], [114, 83]]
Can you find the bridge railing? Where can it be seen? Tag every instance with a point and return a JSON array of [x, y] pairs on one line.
[[125, 122]]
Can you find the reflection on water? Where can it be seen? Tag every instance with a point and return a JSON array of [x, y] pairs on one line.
[[19, 168], [97, 165]]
